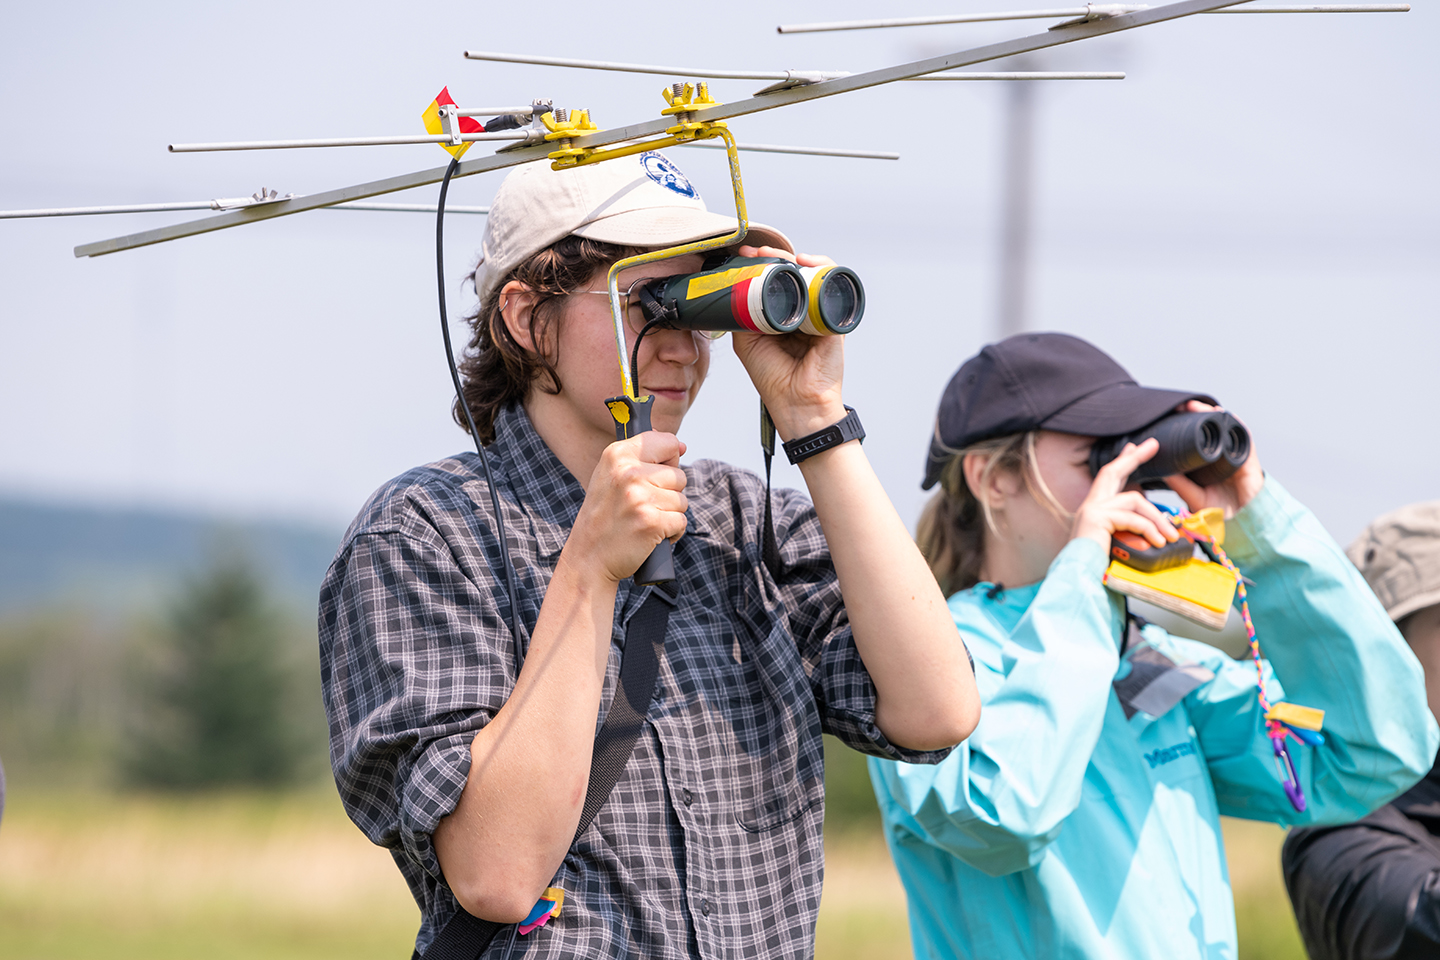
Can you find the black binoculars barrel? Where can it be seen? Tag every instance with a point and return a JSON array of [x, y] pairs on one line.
[[760, 294], [1206, 447], [763, 294]]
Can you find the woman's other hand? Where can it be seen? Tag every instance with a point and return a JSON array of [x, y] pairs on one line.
[[1230, 495]]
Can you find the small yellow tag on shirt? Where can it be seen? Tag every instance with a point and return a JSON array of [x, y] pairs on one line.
[[1292, 714]]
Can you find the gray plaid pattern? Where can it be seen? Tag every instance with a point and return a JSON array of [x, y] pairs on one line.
[[710, 845]]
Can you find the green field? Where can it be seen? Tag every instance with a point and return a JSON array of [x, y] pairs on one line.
[[93, 876]]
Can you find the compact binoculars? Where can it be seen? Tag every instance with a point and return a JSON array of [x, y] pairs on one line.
[[1206, 447], [761, 294]]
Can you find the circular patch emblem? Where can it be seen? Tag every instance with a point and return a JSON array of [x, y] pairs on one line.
[[665, 173]]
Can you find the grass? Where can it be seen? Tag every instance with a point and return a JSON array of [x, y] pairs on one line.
[[1263, 916], [90, 875], [287, 877]]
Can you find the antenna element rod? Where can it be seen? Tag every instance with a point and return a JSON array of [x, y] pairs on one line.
[[1093, 11], [337, 142], [1028, 75]]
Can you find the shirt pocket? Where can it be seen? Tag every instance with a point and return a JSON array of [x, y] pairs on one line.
[[771, 727]]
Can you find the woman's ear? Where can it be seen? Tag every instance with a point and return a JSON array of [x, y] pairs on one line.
[[517, 300], [973, 468], [991, 487]]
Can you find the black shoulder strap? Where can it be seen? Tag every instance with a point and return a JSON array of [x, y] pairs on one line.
[[769, 552], [464, 936]]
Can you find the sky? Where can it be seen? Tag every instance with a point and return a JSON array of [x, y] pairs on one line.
[[1252, 213]]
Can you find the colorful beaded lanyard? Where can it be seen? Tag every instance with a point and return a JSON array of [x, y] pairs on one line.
[[1282, 720]]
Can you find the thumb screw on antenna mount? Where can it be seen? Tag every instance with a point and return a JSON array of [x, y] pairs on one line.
[[561, 115]]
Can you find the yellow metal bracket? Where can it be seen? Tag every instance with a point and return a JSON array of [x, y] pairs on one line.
[[682, 101], [563, 131]]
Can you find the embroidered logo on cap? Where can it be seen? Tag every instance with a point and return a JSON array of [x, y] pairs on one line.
[[665, 173]]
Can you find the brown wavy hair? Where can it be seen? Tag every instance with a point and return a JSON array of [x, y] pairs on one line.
[[495, 369]]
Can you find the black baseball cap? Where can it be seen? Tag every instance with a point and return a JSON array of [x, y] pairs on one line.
[[1042, 381]]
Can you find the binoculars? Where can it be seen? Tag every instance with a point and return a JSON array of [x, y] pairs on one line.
[[761, 294], [1206, 447]]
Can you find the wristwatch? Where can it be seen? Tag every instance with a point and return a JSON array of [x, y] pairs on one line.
[[847, 429]]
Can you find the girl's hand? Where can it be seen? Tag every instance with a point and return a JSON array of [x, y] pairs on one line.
[[797, 375], [1109, 507], [1232, 494], [635, 499]]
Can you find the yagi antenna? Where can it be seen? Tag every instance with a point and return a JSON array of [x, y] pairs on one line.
[[454, 137], [522, 153], [372, 141], [1091, 11]]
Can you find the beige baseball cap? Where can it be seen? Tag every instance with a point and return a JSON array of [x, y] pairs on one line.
[[643, 201], [1399, 556]]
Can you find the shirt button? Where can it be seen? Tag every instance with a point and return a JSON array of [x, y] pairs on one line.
[[705, 907], [687, 796]]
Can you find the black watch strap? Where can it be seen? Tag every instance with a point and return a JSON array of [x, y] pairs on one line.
[[846, 430]]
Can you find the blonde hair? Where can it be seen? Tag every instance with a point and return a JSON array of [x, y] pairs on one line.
[[951, 532]]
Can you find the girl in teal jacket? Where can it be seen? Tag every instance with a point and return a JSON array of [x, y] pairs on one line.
[[1081, 818]]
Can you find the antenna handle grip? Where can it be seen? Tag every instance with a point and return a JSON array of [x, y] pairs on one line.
[[632, 418]]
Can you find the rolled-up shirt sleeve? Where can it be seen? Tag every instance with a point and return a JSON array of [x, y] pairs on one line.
[[810, 591], [415, 660]]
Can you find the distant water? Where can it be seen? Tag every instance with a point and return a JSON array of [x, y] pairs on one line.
[[112, 561]]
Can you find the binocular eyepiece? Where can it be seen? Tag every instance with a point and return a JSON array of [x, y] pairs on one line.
[[761, 294], [1207, 447]]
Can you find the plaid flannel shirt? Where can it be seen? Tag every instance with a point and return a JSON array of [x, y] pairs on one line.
[[710, 845]]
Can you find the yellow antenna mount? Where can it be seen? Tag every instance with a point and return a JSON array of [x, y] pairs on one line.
[[564, 128]]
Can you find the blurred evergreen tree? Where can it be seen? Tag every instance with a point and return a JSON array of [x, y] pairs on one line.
[[217, 692]]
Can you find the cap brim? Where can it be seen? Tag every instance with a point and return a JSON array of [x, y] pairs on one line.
[[670, 226], [1118, 409], [935, 459], [1109, 411]]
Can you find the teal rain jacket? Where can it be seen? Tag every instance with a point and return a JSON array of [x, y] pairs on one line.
[[1063, 829]]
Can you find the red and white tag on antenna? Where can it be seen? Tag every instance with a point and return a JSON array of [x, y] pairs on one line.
[[433, 126]]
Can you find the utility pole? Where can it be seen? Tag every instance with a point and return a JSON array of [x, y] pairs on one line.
[[1017, 198]]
